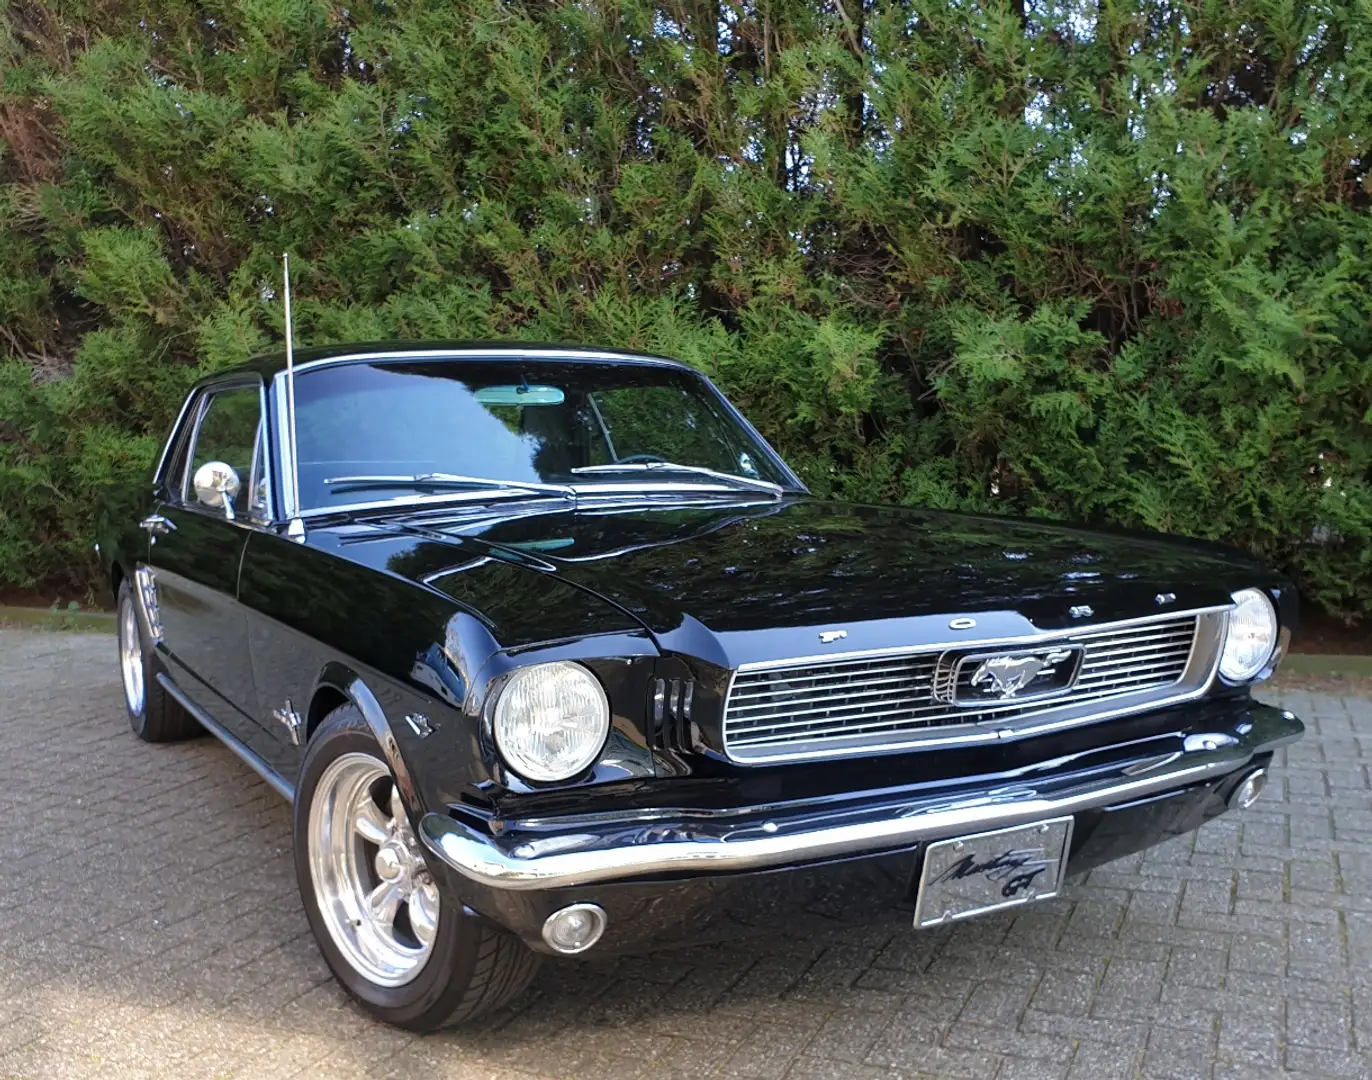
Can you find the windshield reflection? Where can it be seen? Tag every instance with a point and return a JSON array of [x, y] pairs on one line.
[[401, 428]]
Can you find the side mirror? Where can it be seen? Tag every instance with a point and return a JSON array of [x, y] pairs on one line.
[[216, 485]]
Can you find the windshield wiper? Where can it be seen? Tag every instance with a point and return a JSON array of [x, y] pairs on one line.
[[672, 466], [448, 480]]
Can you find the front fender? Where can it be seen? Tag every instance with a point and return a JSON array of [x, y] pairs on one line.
[[341, 679]]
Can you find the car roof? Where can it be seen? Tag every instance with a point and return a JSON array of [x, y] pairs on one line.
[[269, 365]]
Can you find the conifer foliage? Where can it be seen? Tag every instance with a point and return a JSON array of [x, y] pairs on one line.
[[1103, 260]]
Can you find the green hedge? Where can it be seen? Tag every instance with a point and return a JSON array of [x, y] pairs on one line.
[[1102, 261]]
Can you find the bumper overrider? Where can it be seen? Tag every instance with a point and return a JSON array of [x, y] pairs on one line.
[[1127, 797]]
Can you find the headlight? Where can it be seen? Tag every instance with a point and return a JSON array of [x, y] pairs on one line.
[[551, 720], [1252, 636]]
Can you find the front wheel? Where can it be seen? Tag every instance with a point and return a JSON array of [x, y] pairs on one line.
[[407, 956]]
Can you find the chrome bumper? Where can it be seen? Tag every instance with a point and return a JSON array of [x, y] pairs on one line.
[[639, 845]]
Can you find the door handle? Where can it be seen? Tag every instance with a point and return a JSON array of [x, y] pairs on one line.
[[157, 525]]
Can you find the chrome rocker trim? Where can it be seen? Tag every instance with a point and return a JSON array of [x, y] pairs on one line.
[[274, 781], [688, 845]]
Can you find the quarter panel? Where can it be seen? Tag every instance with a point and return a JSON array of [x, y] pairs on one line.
[[121, 544]]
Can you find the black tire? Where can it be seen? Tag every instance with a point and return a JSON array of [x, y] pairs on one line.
[[161, 717], [474, 967]]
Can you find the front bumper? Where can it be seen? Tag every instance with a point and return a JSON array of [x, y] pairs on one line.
[[603, 849]]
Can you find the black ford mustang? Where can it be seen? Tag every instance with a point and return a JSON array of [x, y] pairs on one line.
[[553, 653]]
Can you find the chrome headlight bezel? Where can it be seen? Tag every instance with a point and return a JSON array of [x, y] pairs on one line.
[[1236, 668], [518, 745]]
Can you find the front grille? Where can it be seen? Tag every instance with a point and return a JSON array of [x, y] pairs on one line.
[[887, 701]]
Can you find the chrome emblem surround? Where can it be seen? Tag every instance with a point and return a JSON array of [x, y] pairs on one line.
[[1008, 676], [828, 637], [419, 724], [293, 722], [147, 594], [963, 624]]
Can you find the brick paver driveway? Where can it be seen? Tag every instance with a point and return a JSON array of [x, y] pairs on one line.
[[149, 925]]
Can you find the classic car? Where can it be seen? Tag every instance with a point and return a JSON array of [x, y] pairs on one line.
[[554, 655]]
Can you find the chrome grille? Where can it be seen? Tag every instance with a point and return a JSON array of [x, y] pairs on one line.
[[1135, 659], [888, 701]]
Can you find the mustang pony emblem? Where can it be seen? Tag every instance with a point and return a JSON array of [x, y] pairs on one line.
[[827, 636], [1007, 675]]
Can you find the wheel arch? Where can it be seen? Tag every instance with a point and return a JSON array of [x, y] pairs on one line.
[[338, 685], [116, 572], [327, 697]]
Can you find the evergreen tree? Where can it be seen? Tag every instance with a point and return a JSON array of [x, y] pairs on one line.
[[1098, 261]]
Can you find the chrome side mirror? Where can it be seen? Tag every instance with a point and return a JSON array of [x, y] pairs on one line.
[[216, 485]]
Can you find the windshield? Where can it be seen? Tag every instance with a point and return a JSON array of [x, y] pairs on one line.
[[362, 429]]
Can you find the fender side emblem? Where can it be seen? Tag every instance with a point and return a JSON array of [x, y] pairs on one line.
[[419, 724], [291, 719]]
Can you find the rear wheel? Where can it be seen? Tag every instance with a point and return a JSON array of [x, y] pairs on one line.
[[154, 714], [404, 953]]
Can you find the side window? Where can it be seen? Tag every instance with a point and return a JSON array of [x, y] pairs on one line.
[[230, 431]]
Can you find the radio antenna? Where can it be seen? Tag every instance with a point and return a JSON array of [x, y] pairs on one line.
[[295, 528]]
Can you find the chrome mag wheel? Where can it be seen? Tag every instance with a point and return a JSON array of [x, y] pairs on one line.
[[371, 884], [131, 656]]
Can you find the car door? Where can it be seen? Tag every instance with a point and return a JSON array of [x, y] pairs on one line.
[[198, 536]]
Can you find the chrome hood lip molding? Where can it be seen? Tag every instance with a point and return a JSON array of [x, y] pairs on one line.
[[1037, 637], [694, 844]]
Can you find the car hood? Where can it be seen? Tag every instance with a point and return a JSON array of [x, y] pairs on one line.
[[741, 580]]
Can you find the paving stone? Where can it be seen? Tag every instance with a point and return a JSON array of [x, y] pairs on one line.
[[1317, 1023], [1178, 1054], [156, 931], [1102, 1061], [1328, 1063], [848, 1035], [1065, 993], [1030, 1069]]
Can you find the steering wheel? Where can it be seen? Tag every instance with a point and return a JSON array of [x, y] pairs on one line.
[[632, 459]]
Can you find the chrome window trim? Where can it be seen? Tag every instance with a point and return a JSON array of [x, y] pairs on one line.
[[200, 398], [283, 442], [493, 352], [192, 437], [290, 507], [177, 430], [1038, 721], [261, 464]]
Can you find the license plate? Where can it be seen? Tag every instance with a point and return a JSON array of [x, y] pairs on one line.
[[970, 875]]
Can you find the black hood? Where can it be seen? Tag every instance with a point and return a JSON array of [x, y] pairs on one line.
[[738, 568]]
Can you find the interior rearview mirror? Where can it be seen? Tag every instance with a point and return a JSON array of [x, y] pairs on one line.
[[520, 395], [216, 485]]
